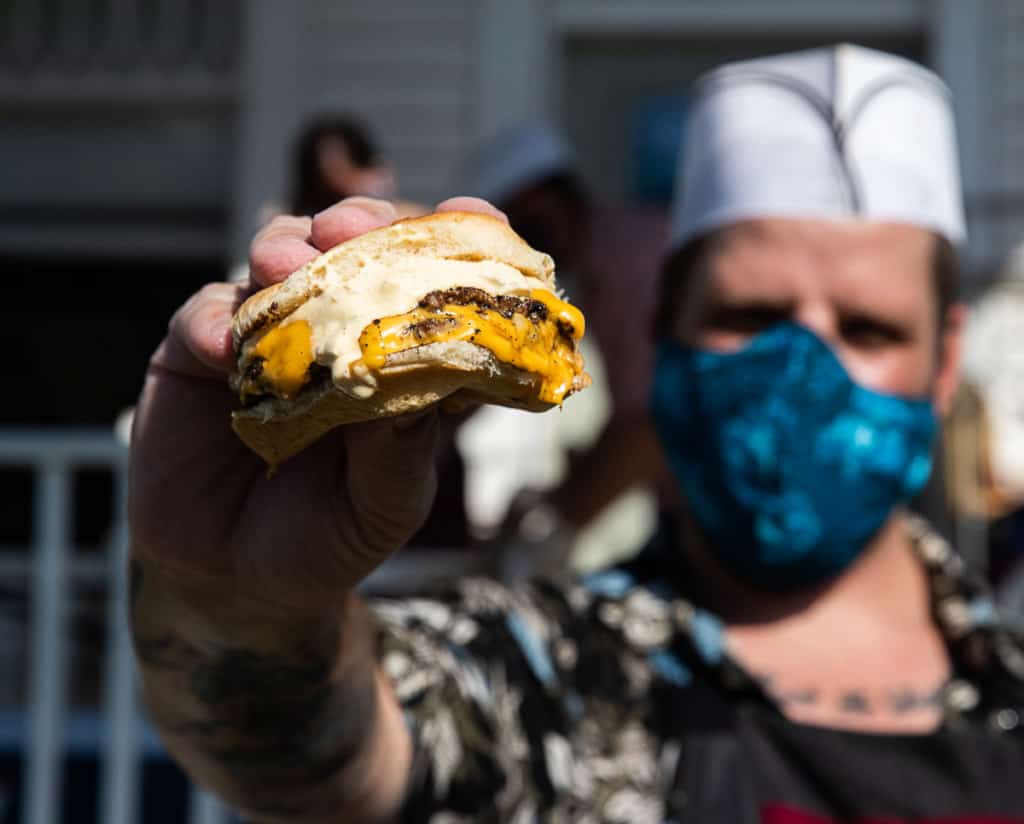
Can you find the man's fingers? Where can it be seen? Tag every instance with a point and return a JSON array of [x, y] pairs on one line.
[[280, 248], [288, 242], [470, 204], [199, 338], [350, 218], [390, 476]]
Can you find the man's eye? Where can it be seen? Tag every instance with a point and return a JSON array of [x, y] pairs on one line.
[[868, 332], [744, 320]]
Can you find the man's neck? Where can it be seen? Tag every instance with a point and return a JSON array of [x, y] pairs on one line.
[[886, 584], [861, 653]]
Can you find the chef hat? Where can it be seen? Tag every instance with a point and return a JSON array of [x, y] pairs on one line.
[[515, 158], [835, 132]]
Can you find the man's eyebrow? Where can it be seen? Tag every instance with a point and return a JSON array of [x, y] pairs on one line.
[[758, 303]]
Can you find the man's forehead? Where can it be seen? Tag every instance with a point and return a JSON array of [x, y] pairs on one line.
[[775, 257]]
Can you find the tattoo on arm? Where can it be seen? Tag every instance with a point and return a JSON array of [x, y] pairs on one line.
[[276, 731]]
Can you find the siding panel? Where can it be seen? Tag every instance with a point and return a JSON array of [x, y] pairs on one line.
[[408, 69], [1008, 95]]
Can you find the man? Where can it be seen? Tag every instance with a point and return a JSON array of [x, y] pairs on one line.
[[799, 650], [608, 257], [994, 368]]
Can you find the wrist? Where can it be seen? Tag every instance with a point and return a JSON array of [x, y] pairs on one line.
[[213, 613]]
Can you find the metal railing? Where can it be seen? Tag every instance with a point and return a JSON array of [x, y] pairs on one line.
[[47, 571]]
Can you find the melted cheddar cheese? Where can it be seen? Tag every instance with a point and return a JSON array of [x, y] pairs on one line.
[[287, 354], [546, 348], [560, 310], [537, 347]]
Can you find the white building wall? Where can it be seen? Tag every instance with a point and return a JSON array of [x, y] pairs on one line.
[[409, 68], [116, 127], [432, 77], [755, 17]]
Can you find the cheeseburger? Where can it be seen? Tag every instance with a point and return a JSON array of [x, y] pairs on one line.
[[452, 306]]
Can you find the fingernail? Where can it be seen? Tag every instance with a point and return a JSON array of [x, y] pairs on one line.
[[383, 208]]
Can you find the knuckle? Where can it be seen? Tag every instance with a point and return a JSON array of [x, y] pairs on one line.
[[290, 224], [375, 205], [260, 252], [282, 231], [202, 305]]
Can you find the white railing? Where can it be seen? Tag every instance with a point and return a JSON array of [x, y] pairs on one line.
[[46, 570]]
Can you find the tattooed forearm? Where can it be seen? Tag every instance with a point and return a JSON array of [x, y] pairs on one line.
[[270, 713], [276, 728]]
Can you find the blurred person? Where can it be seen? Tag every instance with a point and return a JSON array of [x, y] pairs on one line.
[[972, 496], [799, 649], [994, 362], [337, 156], [333, 156], [608, 257]]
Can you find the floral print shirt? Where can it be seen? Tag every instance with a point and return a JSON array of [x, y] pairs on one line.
[[559, 702]]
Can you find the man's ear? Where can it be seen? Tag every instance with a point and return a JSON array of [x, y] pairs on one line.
[[947, 376]]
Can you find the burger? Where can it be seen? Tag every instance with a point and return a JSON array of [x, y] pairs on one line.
[[452, 307]]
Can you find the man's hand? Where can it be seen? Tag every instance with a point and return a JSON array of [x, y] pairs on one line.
[[257, 659], [201, 503]]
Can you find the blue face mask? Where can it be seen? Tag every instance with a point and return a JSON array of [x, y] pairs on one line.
[[788, 466]]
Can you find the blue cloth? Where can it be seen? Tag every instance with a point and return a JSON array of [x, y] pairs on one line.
[[788, 466]]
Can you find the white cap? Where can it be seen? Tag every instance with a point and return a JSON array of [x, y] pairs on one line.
[[515, 158], [835, 132]]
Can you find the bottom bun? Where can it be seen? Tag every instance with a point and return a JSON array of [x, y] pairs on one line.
[[458, 371]]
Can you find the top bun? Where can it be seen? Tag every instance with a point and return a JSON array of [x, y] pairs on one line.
[[465, 236]]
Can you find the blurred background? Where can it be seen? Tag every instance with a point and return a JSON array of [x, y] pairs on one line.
[[142, 142]]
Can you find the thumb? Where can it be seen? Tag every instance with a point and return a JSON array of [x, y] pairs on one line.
[[391, 476]]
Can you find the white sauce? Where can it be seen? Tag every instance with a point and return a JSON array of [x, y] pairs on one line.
[[340, 313]]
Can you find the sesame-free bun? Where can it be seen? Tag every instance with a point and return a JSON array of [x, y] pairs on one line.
[[386, 272], [452, 236]]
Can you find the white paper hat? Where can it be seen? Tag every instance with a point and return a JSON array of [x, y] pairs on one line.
[[514, 158], [834, 132]]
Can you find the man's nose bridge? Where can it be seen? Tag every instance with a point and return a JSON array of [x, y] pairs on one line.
[[820, 318]]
